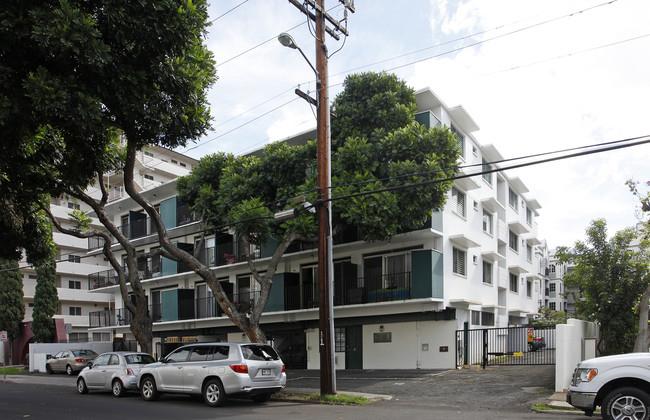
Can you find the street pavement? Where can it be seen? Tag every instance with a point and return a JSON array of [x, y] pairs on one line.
[[496, 392]]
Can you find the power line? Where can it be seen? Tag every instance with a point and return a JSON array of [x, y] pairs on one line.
[[596, 148], [454, 51], [224, 14]]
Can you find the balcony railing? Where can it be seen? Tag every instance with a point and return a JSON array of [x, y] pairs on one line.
[[144, 227], [391, 287]]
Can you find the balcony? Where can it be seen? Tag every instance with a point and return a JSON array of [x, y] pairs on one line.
[[386, 288], [141, 228], [221, 255]]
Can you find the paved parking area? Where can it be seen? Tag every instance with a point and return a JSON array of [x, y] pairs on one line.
[[498, 388]]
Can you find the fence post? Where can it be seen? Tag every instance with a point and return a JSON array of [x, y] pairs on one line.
[[485, 347], [465, 343]]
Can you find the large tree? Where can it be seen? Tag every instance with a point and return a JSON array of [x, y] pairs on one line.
[[11, 301], [610, 277], [376, 154], [74, 75]]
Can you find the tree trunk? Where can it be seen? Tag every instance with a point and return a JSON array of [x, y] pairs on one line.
[[641, 342], [142, 327]]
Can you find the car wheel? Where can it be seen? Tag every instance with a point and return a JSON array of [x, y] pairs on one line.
[[626, 403], [81, 386], [213, 393], [68, 370], [118, 388], [48, 368], [261, 398], [148, 389]]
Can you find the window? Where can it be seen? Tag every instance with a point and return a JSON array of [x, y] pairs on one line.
[[148, 154], [513, 242], [552, 287], [149, 177], [458, 201], [487, 319], [551, 306], [482, 318], [529, 288], [460, 140], [487, 222], [474, 150], [476, 318], [73, 284], [183, 165], [459, 264], [487, 177], [102, 337], [73, 206], [529, 216], [75, 310], [513, 200], [514, 283], [529, 252], [74, 258], [339, 339], [487, 272], [174, 161]]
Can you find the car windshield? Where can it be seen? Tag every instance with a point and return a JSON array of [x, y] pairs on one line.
[[84, 353], [259, 353], [139, 359]]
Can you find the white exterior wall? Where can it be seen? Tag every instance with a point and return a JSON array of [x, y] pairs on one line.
[[414, 345]]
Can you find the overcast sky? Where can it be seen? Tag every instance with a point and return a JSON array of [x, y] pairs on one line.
[[535, 75]]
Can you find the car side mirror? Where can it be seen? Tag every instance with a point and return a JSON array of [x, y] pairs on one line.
[[90, 365], [48, 357]]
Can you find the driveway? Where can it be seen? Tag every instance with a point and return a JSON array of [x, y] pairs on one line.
[[497, 388]]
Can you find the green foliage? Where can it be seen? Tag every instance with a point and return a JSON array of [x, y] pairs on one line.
[[548, 316], [80, 219], [46, 300], [611, 277], [369, 102], [74, 74], [11, 298], [379, 147]]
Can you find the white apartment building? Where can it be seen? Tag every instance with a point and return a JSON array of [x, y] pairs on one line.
[[475, 264], [155, 166]]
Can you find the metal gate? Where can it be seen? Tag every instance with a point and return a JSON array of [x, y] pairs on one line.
[[506, 346]]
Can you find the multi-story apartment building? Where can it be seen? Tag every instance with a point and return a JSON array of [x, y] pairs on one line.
[[473, 265], [155, 166], [560, 297]]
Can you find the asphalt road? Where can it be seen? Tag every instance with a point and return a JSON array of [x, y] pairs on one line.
[[502, 392]]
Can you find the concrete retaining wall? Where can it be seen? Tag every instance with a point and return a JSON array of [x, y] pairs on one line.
[[576, 341]]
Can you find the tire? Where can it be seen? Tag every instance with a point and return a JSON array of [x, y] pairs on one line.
[[530, 347], [262, 398], [68, 370], [213, 393], [148, 389], [49, 370], [626, 403], [118, 388], [82, 388]]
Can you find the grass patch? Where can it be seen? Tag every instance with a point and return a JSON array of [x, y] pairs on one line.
[[338, 399], [13, 371]]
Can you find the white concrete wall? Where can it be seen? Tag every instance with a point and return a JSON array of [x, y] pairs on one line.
[[38, 351], [414, 345], [576, 341]]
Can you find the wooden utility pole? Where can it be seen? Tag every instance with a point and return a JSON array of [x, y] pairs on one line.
[[325, 267]]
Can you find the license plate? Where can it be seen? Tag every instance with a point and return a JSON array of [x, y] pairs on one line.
[[266, 372]]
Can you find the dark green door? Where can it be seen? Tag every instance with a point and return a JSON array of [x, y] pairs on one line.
[[353, 347]]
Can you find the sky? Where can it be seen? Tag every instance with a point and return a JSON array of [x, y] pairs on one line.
[[535, 75]]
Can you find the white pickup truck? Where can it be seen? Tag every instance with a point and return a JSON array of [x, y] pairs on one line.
[[619, 384]]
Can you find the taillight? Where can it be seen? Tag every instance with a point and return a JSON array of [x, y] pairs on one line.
[[282, 368], [129, 372], [239, 368], [79, 360]]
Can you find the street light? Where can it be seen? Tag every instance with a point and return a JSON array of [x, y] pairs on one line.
[[288, 41], [325, 266]]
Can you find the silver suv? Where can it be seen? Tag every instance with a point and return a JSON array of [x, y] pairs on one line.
[[215, 371]]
